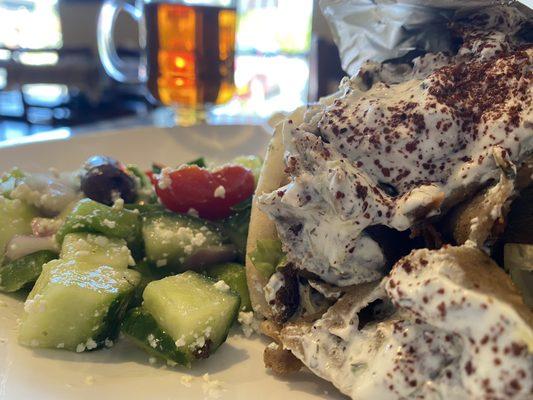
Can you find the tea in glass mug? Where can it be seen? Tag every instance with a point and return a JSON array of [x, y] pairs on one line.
[[188, 49]]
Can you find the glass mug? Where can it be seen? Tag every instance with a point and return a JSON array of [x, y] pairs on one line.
[[188, 49]]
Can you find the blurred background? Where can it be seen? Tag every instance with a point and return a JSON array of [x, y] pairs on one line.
[[51, 75]]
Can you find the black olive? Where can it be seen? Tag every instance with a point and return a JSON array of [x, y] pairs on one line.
[[104, 179]]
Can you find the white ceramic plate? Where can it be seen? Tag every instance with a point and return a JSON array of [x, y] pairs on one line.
[[123, 372]]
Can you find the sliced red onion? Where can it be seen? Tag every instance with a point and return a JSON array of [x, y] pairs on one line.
[[211, 255], [20, 246], [50, 193]]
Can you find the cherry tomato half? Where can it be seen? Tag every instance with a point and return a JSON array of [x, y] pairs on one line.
[[209, 193]]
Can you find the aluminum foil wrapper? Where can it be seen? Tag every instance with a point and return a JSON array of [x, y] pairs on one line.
[[381, 30]]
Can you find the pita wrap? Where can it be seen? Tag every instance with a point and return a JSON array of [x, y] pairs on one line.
[[261, 227], [399, 148], [427, 345]]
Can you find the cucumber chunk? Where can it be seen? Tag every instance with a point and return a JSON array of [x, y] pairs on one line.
[[194, 311], [174, 241], [15, 219], [234, 275], [79, 300], [76, 306], [24, 271], [145, 332], [90, 216], [96, 249]]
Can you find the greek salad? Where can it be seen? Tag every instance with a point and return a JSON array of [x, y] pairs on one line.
[[157, 255]]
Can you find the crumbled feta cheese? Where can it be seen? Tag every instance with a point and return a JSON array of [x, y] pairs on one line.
[[249, 323], [161, 263], [198, 343], [220, 192], [212, 388], [208, 331], [60, 345], [115, 195], [108, 343], [164, 181], [198, 239], [109, 224], [180, 342], [186, 380], [91, 344], [221, 285], [152, 360], [80, 348], [152, 341], [24, 192], [193, 213], [118, 204], [45, 226]]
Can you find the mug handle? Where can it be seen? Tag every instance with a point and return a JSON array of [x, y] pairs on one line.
[[118, 69]]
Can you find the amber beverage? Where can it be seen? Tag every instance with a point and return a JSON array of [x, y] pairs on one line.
[[190, 51]]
